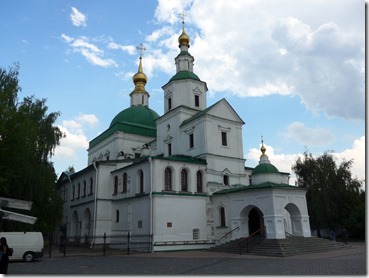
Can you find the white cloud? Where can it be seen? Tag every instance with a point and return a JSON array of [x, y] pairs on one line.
[[75, 134], [89, 119], [357, 154], [309, 136], [130, 49], [91, 52], [75, 139], [258, 48], [77, 18]]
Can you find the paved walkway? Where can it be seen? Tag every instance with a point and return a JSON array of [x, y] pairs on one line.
[[347, 261]]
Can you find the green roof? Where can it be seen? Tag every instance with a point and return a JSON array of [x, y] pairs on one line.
[[138, 120], [182, 158], [133, 115], [185, 74], [264, 185], [184, 53], [265, 168]]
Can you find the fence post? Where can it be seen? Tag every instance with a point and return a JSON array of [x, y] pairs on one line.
[[104, 243], [50, 244], [128, 239]]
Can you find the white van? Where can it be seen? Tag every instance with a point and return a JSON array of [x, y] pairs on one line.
[[26, 245]]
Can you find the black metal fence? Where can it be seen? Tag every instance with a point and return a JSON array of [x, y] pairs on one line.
[[124, 243]]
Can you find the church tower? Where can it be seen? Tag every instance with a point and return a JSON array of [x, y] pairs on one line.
[[185, 88]]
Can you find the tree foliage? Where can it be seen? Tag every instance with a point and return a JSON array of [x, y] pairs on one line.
[[334, 197], [28, 137]]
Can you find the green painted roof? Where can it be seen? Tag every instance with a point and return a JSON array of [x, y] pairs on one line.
[[133, 115], [265, 168], [138, 120], [264, 185], [184, 53], [181, 158], [185, 74]]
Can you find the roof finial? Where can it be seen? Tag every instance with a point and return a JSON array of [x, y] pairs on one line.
[[141, 48], [183, 15], [183, 38], [140, 79], [263, 149]]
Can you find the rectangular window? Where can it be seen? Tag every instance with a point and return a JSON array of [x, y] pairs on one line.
[[197, 100], [191, 143], [169, 149], [195, 234], [224, 139], [169, 103], [139, 224], [169, 224]]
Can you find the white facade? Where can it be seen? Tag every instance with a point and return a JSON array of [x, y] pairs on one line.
[[180, 177]]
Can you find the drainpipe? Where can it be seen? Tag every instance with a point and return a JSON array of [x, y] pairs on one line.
[[151, 203], [68, 217], [95, 204]]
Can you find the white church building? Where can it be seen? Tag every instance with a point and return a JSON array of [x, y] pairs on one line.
[[180, 177]]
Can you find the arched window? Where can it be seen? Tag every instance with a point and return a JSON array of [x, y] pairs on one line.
[[84, 188], [91, 185], [141, 181], [222, 217], [184, 182], [168, 179], [117, 216], [199, 181], [125, 180], [225, 180], [115, 192]]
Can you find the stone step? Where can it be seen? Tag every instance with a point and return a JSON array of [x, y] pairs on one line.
[[280, 247]]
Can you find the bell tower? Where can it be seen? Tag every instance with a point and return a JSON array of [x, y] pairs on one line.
[[185, 88]]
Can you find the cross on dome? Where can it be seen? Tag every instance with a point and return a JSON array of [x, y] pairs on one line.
[[141, 48], [262, 149], [183, 39], [183, 15]]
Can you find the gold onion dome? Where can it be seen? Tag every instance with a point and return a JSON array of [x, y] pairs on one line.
[[262, 149], [183, 39], [139, 79]]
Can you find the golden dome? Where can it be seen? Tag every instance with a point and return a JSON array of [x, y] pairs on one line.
[[262, 149], [184, 39], [139, 79]]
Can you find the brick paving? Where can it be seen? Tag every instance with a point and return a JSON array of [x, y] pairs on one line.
[[348, 261]]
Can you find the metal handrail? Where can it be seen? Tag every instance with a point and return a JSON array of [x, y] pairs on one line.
[[248, 239], [238, 227]]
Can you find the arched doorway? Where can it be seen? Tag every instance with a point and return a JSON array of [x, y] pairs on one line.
[[86, 225], [74, 225], [252, 220], [293, 219]]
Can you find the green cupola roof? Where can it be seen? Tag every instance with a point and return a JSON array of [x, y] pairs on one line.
[[265, 168], [136, 115]]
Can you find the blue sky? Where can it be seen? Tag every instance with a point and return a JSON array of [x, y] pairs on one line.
[[293, 70]]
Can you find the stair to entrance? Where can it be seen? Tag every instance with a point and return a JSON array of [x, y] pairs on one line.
[[292, 245]]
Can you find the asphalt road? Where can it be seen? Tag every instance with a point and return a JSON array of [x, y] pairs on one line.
[[350, 261]]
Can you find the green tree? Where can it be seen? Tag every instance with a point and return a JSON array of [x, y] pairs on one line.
[[28, 137], [332, 193]]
